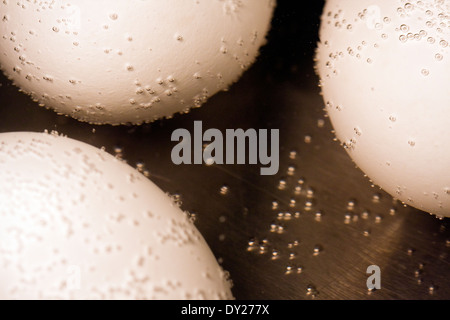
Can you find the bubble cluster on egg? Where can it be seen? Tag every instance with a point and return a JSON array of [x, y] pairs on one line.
[[78, 223], [384, 72], [117, 62]]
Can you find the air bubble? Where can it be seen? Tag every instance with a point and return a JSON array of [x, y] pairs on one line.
[[409, 6], [140, 166], [282, 185], [275, 254], [318, 216], [310, 193], [365, 215], [289, 269], [291, 170], [317, 249], [280, 229], [308, 205], [224, 190], [274, 205], [262, 249], [404, 28], [293, 244], [308, 139], [431, 289], [351, 204], [311, 290]]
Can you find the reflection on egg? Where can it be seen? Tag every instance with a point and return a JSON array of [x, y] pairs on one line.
[[77, 223], [384, 69], [116, 61]]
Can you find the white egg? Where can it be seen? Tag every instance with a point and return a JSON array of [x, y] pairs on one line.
[[77, 223], [129, 61], [384, 70]]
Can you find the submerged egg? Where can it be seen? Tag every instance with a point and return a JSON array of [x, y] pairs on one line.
[[78, 223], [384, 72], [116, 62]]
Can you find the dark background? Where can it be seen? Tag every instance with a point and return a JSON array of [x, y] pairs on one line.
[[333, 243]]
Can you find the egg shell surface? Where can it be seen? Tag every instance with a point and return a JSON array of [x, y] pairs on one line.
[[384, 71], [129, 61], [78, 223]]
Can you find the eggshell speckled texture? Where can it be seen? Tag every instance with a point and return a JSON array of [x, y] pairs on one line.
[[129, 61], [384, 72], [77, 223]]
